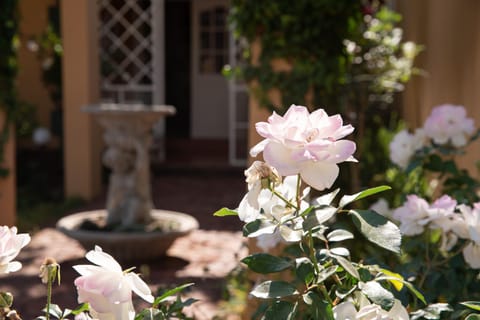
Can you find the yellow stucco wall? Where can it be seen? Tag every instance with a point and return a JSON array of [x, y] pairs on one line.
[[34, 19], [81, 87], [450, 32], [7, 184]]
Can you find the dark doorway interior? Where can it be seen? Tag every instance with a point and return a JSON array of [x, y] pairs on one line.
[[177, 66]]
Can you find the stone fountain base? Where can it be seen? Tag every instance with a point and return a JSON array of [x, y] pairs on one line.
[[132, 245]]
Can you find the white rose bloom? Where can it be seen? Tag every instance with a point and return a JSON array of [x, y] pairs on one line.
[[10, 245], [466, 225], [449, 124], [471, 254], [404, 145], [413, 215]]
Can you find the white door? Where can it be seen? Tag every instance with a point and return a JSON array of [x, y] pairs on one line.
[[210, 42]]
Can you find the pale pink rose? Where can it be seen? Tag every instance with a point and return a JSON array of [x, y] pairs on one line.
[[347, 311], [413, 215], [107, 288], [305, 143], [442, 212], [466, 225], [10, 245], [449, 124], [404, 145]]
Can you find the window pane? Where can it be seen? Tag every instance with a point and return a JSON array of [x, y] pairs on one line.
[[204, 40], [219, 40], [205, 19], [220, 16]]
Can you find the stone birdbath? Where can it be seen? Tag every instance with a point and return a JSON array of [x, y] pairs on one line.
[[129, 228]]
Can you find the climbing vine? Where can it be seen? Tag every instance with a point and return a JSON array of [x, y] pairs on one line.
[[8, 71], [308, 35]]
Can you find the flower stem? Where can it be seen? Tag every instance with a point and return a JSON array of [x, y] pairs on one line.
[[49, 296]]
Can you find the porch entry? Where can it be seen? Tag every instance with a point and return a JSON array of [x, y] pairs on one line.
[[172, 52]]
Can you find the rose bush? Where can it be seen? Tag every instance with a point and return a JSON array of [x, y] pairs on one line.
[[104, 290], [302, 151], [438, 210]]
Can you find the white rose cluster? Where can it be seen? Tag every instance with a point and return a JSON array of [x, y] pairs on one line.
[[454, 220], [446, 125]]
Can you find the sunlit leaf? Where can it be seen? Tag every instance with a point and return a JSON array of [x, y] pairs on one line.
[[326, 273], [377, 229], [318, 217], [339, 235], [346, 199], [6, 299], [347, 265], [474, 305], [378, 294], [273, 289], [395, 279], [340, 251], [326, 199], [225, 212], [258, 227], [171, 293]]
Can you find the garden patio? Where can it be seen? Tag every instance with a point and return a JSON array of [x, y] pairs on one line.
[[359, 197], [205, 257]]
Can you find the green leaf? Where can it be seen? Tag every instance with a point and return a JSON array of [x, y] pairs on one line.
[[396, 279], [273, 290], [377, 229], [347, 265], [281, 310], [318, 308], [346, 199], [55, 311], [340, 251], [473, 317], [326, 273], [170, 292], [407, 284], [474, 305], [326, 199], [258, 227], [304, 270], [6, 299], [339, 235], [318, 217], [378, 294], [225, 212], [265, 263], [81, 308]]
